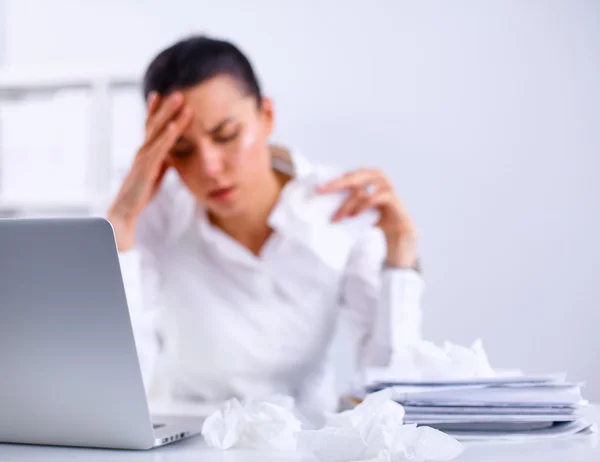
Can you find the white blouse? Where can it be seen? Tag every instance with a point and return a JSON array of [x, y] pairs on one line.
[[213, 321]]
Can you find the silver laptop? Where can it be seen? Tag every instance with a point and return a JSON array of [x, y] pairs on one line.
[[69, 370]]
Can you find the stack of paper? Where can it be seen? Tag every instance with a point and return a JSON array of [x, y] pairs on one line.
[[493, 407], [455, 389]]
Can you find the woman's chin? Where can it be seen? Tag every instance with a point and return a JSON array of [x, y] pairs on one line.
[[224, 209]]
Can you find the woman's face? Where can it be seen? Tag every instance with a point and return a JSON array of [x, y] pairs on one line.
[[223, 155]]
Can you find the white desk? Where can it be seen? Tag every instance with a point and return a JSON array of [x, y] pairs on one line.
[[574, 449]]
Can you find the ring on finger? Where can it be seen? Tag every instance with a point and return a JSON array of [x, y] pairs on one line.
[[369, 189]]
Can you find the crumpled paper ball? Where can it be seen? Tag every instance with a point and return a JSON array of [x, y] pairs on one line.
[[268, 424], [450, 362], [374, 431], [425, 360]]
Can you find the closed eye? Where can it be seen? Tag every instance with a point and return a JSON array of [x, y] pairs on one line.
[[226, 138]]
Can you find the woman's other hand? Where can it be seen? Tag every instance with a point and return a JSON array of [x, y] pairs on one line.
[[167, 119], [372, 189]]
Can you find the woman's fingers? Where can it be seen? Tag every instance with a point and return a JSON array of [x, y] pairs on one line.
[[362, 183], [349, 205], [168, 137], [352, 180], [166, 112], [160, 176], [377, 199], [361, 200], [153, 103], [153, 156], [167, 120]]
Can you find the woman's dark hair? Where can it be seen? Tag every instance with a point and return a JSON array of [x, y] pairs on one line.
[[196, 59]]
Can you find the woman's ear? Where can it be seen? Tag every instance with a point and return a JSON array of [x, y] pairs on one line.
[[267, 113]]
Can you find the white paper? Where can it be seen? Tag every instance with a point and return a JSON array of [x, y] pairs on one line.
[[453, 361], [558, 430], [308, 208], [426, 362], [255, 425], [374, 430], [568, 394]]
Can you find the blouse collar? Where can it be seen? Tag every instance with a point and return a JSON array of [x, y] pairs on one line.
[[295, 215]]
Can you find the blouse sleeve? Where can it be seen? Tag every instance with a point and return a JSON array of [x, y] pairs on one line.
[[384, 303], [141, 275]]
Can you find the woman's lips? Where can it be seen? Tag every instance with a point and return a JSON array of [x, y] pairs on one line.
[[221, 194]]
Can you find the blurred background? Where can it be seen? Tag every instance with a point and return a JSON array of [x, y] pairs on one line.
[[485, 114]]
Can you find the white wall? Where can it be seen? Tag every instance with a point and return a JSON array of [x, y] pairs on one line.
[[2, 31], [486, 114]]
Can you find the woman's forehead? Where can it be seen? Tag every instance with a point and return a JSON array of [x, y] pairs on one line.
[[219, 91], [216, 100]]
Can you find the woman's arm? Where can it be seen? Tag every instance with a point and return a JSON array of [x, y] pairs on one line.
[[382, 287], [167, 119], [141, 280], [140, 267], [384, 302]]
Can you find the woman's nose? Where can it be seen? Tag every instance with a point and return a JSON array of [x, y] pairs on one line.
[[212, 162]]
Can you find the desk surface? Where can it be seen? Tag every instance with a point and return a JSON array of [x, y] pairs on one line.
[[572, 449]]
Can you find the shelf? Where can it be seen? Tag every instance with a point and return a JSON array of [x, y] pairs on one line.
[[28, 205], [35, 80], [20, 83]]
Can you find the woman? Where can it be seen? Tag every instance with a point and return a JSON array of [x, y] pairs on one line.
[[249, 253]]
